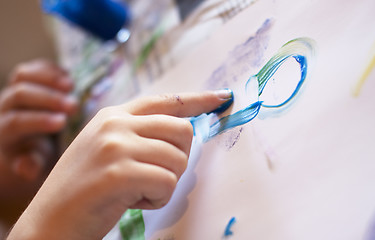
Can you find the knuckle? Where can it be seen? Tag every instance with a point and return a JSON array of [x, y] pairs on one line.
[[102, 111], [115, 176], [106, 112], [110, 144], [113, 120], [113, 173], [109, 123], [108, 119], [169, 181]]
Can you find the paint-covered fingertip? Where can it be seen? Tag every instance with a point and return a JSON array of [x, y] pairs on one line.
[[227, 95]]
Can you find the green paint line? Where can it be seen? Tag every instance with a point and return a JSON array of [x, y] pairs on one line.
[[132, 226], [147, 48]]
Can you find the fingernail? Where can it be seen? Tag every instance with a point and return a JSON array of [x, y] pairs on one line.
[[58, 118], [225, 93], [70, 102]]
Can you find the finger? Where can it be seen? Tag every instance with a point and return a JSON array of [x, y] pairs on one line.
[[154, 185], [17, 125], [176, 131], [42, 72], [181, 105], [36, 97], [160, 153]]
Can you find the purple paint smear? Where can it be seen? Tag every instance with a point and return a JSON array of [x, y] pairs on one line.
[[244, 59]]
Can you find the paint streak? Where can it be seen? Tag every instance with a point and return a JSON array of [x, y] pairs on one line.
[[233, 138], [228, 231], [301, 49], [370, 235], [243, 60], [364, 77], [132, 225]]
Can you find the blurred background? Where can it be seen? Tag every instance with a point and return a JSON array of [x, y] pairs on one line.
[[24, 35]]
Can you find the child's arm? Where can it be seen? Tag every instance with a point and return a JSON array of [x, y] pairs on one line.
[[128, 156]]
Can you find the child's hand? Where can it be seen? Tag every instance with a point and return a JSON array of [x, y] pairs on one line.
[[33, 106], [128, 156]]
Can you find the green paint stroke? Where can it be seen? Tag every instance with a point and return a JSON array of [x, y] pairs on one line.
[[147, 48], [132, 226]]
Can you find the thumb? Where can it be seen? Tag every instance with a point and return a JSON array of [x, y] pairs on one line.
[[182, 105]]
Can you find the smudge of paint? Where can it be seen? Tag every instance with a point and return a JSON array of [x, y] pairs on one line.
[[132, 226], [228, 231], [242, 60], [233, 138], [178, 99], [370, 235], [364, 77], [302, 50]]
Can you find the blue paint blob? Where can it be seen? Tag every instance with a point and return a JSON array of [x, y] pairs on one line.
[[239, 118], [301, 49], [228, 231]]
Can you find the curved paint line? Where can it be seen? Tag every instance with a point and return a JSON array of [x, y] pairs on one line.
[[302, 50]]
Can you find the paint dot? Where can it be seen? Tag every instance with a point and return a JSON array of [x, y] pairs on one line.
[[178, 98]]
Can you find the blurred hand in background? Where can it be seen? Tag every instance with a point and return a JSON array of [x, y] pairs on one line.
[[34, 107]]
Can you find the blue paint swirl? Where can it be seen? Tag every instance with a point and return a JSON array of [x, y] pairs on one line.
[[301, 49]]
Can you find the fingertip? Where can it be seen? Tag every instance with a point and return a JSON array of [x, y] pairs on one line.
[[223, 107], [56, 121], [66, 83], [225, 94]]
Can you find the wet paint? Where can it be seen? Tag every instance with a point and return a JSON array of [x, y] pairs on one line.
[[300, 49], [228, 231]]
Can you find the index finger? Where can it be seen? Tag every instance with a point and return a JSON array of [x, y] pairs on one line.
[[42, 72], [182, 105]]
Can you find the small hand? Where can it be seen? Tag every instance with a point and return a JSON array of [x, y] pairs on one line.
[[128, 156]]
